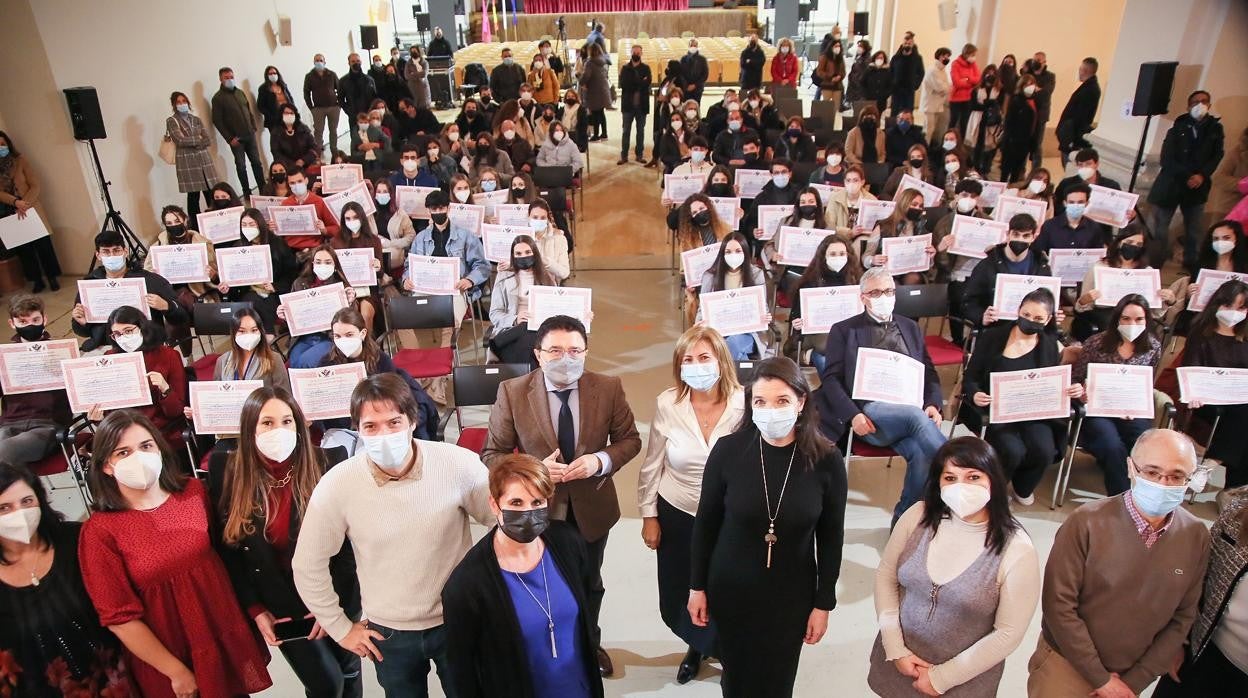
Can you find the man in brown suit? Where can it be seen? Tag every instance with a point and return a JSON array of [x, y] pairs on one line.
[[580, 424]]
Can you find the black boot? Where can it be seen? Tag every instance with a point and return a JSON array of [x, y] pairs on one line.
[[689, 666]]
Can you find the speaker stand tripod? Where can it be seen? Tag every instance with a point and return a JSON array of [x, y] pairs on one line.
[[112, 218], [1139, 155]]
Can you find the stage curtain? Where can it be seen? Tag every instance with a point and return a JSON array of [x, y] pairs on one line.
[[561, 6]]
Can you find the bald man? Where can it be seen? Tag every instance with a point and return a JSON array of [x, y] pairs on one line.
[[1123, 581]]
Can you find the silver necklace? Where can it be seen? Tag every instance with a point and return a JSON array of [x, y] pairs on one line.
[[770, 538], [547, 610]]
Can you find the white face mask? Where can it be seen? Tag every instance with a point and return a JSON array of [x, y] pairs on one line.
[[852, 188], [250, 232], [965, 499], [349, 346], [323, 271], [775, 423], [691, 114], [556, 136], [509, 134], [879, 62], [966, 204], [1086, 173], [1198, 111], [389, 451], [1036, 186], [20, 525], [1223, 246], [948, 145], [693, 50], [951, 166], [288, 119], [882, 307], [277, 444], [1029, 90], [754, 104], [139, 470], [453, 136], [734, 260], [461, 195], [836, 263], [130, 343], [247, 341], [1231, 318], [1130, 332], [834, 160]]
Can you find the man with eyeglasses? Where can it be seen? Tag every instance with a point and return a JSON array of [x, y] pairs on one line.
[[580, 425], [162, 300], [1123, 581], [912, 432]]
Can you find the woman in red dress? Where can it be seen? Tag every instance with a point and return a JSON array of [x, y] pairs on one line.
[[152, 573]]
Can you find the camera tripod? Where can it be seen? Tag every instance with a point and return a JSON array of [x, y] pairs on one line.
[[112, 218]]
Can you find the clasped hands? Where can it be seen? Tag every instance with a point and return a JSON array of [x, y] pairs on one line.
[[586, 466]]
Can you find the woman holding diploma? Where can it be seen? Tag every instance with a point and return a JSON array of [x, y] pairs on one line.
[[153, 575], [698, 223], [734, 268], [1130, 339], [909, 219], [358, 235], [957, 583], [1225, 249], [392, 225], [258, 495], [706, 404], [1038, 186], [1126, 251], [264, 297], [834, 264], [321, 269], [767, 577], [511, 340], [251, 357], [1026, 448], [1219, 338], [130, 332]]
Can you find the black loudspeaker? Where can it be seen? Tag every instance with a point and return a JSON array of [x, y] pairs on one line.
[[368, 36], [860, 24], [1152, 88], [84, 113], [424, 22]]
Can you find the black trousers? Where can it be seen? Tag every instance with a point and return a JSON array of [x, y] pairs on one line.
[[593, 598], [1229, 445], [325, 669], [38, 259], [192, 202], [1027, 449], [1209, 676], [957, 331], [245, 149]]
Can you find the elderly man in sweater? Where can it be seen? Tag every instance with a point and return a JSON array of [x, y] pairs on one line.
[[1123, 581], [405, 504]]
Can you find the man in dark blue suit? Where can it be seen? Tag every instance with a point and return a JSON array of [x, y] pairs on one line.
[[912, 432]]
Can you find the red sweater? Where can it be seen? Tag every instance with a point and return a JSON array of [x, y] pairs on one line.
[[303, 242], [784, 69], [965, 76], [166, 412]]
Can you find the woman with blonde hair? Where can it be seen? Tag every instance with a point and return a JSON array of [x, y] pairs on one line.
[[706, 403]]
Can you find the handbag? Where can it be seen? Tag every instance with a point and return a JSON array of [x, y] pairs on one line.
[[168, 150]]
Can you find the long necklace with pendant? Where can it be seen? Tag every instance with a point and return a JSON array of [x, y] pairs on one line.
[[547, 610], [770, 538]]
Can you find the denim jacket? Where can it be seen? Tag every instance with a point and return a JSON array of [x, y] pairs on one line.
[[463, 244]]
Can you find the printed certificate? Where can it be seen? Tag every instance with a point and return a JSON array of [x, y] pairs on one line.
[[991, 194], [468, 217], [824, 306], [496, 239], [358, 193], [972, 237], [1072, 265], [336, 178], [33, 367], [325, 392], [871, 212], [112, 381], [1116, 283], [1008, 206], [1011, 288], [512, 214], [751, 182], [886, 376], [1028, 395], [312, 310], [548, 301], [357, 266], [1213, 386], [294, 220], [102, 296], [770, 217], [932, 194], [1209, 281], [1110, 206], [220, 226], [217, 405], [1121, 391], [825, 192], [490, 200], [181, 264], [907, 254], [795, 247], [728, 208], [433, 276], [264, 203], [678, 187], [251, 265], [411, 200], [695, 262], [738, 311]]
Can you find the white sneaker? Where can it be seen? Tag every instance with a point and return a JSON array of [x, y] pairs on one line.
[[1024, 501]]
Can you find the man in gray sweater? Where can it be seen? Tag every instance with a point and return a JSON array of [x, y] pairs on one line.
[[234, 119], [1123, 581]]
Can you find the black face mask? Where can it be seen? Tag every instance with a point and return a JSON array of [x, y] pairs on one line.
[[525, 526], [278, 177], [916, 162], [636, 59], [176, 231], [944, 61], [1029, 326], [808, 212], [702, 218], [868, 124], [750, 157], [523, 263], [30, 333], [439, 219], [720, 189], [913, 215], [1018, 247], [989, 79], [518, 192], [1131, 252], [218, 204]]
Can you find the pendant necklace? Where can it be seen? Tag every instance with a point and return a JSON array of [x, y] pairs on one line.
[[770, 538], [547, 610]]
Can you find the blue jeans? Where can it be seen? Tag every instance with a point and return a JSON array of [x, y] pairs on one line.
[[403, 671], [740, 345], [324, 668], [631, 118], [914, 436], [819, 361], [1109, 440]]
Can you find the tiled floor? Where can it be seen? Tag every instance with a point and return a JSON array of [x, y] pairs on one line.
[[622, 254]]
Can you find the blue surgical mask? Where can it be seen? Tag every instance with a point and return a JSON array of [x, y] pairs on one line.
[[4, 151], [1075, 211], [383, 198], [114, 263], [781, 180], [299, 189], [182, 109], [488, 185], [508, 60], [319, 65], [700, 377], [228, 84], [1154, 499], [775, 423], [697, 156]]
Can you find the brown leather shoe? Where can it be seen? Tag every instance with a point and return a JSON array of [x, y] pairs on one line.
[[605, 667]]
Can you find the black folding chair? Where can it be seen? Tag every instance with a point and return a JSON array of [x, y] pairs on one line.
[[923, 301], [212, 319], [476, 386], [779, 92], [745, 371], [422, 313], [790, 107], [877, 174], [826, 112]]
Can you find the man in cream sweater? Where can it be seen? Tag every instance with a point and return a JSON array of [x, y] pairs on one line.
[[405, 505]]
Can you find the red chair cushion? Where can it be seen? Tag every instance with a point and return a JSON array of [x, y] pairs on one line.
[[942, 351], [782, 299], [205, 366], [425, 363], [53, 464], [472, 438], [862, 449]]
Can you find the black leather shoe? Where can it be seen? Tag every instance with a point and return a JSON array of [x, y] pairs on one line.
[[689, 666], [605, 667], [54, 284], [39, 288]]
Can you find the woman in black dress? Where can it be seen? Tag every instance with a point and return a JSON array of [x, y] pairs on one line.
[[768, 534], [51, 641]]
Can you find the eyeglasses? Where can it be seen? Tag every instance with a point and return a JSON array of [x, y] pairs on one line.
[[126, 332], [559, 353], [880, 292], [1156, 473]]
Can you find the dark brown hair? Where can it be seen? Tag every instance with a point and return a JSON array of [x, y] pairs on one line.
[[105, 494], [389, 388], [812, 445]]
